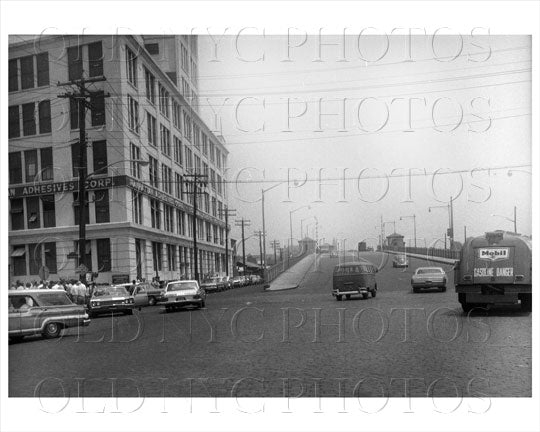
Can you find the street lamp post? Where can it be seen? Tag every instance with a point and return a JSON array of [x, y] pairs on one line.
[[450, 208], [290, 224], [414, 225]]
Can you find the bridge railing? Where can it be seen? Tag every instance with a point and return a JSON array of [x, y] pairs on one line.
[[434, 252]]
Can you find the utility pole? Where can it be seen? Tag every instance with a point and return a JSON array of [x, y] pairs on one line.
[[275, 245], [196, 178], [464, 233], [227, 212], [243, 223], [515, 219], [260, 234], [81, 97]]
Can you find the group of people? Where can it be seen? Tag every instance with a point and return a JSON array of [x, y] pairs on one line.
[[77, 291]]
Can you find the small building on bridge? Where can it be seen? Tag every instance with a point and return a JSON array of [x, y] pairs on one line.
[[395, 241]]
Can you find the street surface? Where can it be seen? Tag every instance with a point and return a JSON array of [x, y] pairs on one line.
[[248, 342]]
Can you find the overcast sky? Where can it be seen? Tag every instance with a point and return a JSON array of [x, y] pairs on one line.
[[371, 134]]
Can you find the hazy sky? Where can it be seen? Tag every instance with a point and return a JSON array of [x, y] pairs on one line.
[[269, 113]]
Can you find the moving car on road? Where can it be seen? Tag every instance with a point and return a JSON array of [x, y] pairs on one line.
[[400, 261], [428, 277], [183, 293], [46, 312], [354, 278], [495, 268], [109, 299], [213, 284]]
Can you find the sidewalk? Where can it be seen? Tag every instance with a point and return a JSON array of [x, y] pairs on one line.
[[436, 259], [292, 277]]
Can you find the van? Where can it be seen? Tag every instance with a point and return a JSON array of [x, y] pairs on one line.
[[354, 278]]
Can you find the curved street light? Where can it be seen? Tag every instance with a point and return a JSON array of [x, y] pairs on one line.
[[514, 221]]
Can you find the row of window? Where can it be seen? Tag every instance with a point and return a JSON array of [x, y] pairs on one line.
[[37, 165], [28, 259], [40, 211], [184, 254], [33, 118]]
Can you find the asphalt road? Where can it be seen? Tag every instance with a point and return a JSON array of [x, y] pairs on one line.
[[299, 342]]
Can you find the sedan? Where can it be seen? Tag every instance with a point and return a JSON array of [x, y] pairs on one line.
[[400, 261], [183, 293], [428, 277], [109, 299]]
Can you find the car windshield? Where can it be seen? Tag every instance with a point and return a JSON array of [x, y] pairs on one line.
[[53, 299], [429, 271], [180, 286], [401, 257], [110, 291]]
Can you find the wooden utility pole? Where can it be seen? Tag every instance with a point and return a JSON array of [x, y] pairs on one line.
[[243, 223], [81, 97], [227, 212], [196, 179]]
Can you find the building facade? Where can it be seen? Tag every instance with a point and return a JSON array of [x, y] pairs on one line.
[[143, 136]]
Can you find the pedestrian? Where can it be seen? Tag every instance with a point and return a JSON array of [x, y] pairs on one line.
[[28, 285], [81, 293], [20, 285], [73, 291], [13, 286]]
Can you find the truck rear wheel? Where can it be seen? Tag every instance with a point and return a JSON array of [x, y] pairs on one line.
[[526, 302], [338, 297], [151, 301]]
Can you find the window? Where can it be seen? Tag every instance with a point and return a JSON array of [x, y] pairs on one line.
[[187, 126], [214, 207], [17, 214], [42, 62], [46, 164], [131, 66], [180, 222], [152, 48], [133, 114], [15, 168], [155, 210], [152, 129], [75, 159], [30, 165], [99, 151], [44, 108], [189, 158], [168, 218], [101, 202], [104, 255], [76, 207], [150, 81], [218, 158], [95, 58], [13, 75], [27, 72], [19, 260], [165, 135], [184, 58], [75, 63], [14, 122], [153, 172], [135, 154], [35, 259], [171, 257], [32, 212], [50, 257], [87, 254], [49, 215], [177, 150], [196, 137], [136, 199], [163, 101], [204, 144], [212, 148], [213, 179], [156, 255], [29, 120], [166, 178], [177, 115], [97, 104], [178, 186]]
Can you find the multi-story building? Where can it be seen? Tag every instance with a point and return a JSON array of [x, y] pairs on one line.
[[139, 215]]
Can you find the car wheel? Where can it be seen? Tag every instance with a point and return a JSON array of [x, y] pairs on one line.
[[16, 339], [128, 311], [52, 330], [202, 304], [348, 296], [443, 289], [152, 301], [373, 293], [338, 298], [365, 296], [416, 290], [526, 302]]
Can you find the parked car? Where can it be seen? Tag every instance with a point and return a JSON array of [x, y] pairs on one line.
[[183, 293], [212, 284], [143, 293], [46, 312], [109, 299], [237, 281], [400, 261], [227, 282], [428, 277], [256, 279], [354, 278]]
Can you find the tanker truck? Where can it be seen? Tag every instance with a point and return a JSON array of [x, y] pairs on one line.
[[495, 268]]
